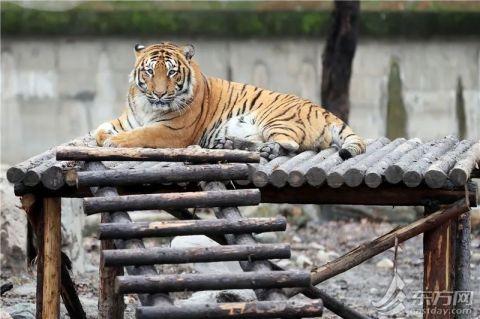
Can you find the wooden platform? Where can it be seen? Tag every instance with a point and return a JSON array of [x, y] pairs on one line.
[[399, 172], [435, 174]]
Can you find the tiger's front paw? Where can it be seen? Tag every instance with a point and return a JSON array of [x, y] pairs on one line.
[[120, 140], [271, 150]]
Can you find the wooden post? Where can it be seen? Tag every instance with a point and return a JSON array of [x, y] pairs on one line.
[[463, 308], [110, 303], [51, 258], [439, 269]]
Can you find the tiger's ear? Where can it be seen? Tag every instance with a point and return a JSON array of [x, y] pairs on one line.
[[189, 51], [138, 49]]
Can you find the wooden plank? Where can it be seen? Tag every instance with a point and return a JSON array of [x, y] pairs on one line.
[[387, 195], [336, 175], [51, 258], [154, 175], [257, 309], [354, 175], [279, 176], [439, 269], [260, 176], [216, 281], [470, 160], [190, 227], [162, 255], [243, 197], [297, 176], [437, 173], [193, 155], [375, 174], [413, 174]]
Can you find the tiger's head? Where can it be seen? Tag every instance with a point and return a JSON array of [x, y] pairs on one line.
[[164, 75]]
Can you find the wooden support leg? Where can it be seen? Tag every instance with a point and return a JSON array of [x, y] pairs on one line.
[[463, 292], [110, 304], [51, 258], [439, 269]]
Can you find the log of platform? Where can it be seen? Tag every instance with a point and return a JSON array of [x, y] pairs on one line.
[[260, 176], [374, 175], [336, 175], [257, 309], [191, 227], [279, 176], [354, 175], [160, 255], [16, 173], [184, 173], [470, 160], [217, 281], [193, 155], [413, 175], [243, 197], [297, 176], [316, 175], [394, 173], [437, 173], [382, 243]]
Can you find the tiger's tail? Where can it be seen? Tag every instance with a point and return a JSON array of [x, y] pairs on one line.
[[350, 143]]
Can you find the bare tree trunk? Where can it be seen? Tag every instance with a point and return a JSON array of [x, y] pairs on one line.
[[338, 57]]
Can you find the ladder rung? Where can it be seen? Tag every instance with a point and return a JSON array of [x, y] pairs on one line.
[[197, 282], [228, 198], [257, 309], [160, 255], [190, 227]]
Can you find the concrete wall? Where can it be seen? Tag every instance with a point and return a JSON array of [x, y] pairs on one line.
[[58, 88]]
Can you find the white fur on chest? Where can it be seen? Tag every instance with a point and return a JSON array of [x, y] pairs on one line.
[[243, 127]]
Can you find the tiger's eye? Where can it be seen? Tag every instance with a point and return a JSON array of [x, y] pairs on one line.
[[171, 73], [150, 71]]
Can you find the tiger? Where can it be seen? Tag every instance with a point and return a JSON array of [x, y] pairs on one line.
[[172, 104]]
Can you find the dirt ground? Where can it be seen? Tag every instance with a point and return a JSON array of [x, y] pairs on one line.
[[312, 244]]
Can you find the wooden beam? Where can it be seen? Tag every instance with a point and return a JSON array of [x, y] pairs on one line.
[[51, 258], [193, 155], [190, 227], [213, 281], [257, 309], [243, 197], [386, 195], [110, 303], [34, 210], [161, 255], [174, 174], [463, 310], [382, 243], [439, 269]]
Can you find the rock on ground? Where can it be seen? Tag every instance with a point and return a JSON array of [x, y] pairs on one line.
[[13, 228]]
